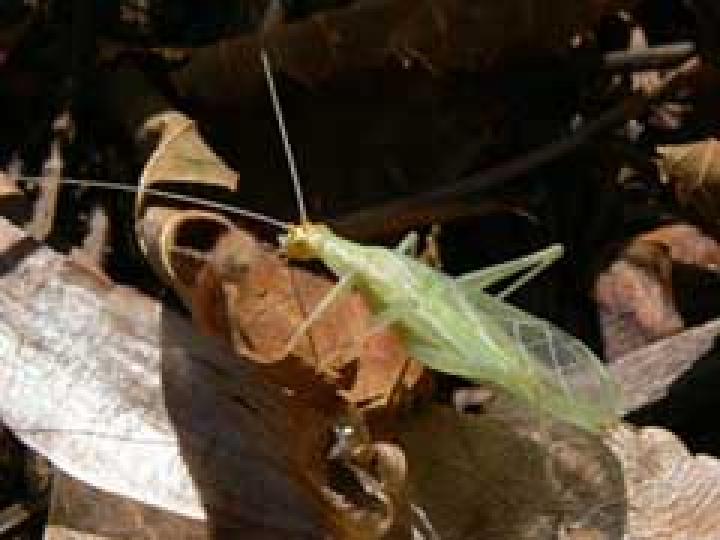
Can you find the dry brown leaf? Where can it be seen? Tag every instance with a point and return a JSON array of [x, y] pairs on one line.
[[162, 230], [181, 155], [251, 297], [210, 427], [686, 244], [671, 494], [80, 512], [647, 373], [693, 169], [635, 295], [635, 301]]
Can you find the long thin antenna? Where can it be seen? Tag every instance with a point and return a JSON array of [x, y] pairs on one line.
[[285, 139], [165, 194]]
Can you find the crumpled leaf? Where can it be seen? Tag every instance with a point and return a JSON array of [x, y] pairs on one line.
[[181, 156], [687, 244], [162, 230], [277, 300], [635, 299], [252, 298], [81, 512], [671, 493], [647, 373], [257, 452], [636, 296], [693, 169], [130, 399]]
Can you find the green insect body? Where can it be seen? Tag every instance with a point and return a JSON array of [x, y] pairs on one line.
[[455, 326]]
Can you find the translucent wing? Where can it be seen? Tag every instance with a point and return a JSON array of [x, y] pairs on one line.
[[575, 384]]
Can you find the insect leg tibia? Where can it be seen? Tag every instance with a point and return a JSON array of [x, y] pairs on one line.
[[340, 287], [530, 266], [547, 257]]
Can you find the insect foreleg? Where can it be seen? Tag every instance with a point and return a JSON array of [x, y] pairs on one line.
[[530, 266], [406, 246], [340, 287]]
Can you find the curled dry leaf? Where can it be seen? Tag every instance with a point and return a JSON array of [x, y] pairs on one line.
[[671, 493], [79, 511], [181, 156], [635, 295], [165, 232], [686, 244], [126, 396], [250, 296], [646, 374], [634, 298], [693, 169]]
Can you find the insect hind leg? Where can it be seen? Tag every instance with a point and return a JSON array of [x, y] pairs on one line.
[[528, 267]]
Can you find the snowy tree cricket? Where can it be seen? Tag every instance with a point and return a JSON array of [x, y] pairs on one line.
[[455, 325]]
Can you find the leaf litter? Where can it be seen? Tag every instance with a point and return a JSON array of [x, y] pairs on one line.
[[244, 293]]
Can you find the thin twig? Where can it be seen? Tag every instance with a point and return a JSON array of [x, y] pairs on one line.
[[365, 222], [649, 58], [12, 517]]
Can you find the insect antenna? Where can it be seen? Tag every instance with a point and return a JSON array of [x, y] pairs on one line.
[[212, 205], [285, 139]]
